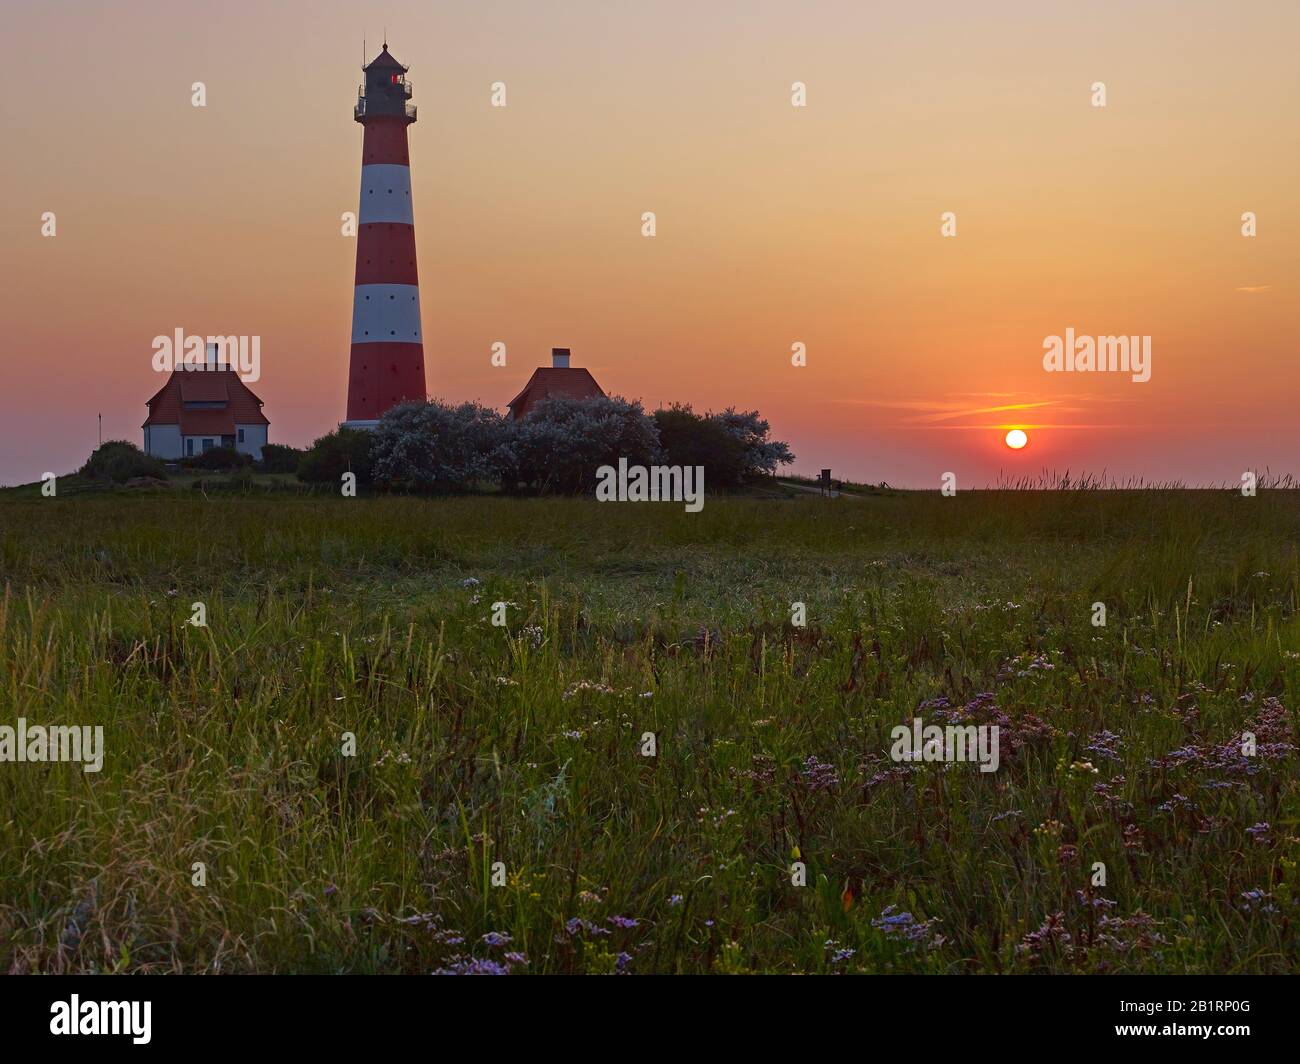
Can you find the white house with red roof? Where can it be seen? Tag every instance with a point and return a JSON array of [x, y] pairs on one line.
[[204, 406], [557, 379]]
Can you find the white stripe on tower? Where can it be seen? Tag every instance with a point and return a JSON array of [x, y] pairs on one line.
[[386, 194], [386, 314]]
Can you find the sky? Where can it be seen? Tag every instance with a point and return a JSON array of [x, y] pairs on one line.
[[776, 225]]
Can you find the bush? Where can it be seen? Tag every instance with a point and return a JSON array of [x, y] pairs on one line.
[[224, 458], [761, 455], [435, 446], [277, 458], [689, 439], [119, 461], [339, 452], [562, 442]]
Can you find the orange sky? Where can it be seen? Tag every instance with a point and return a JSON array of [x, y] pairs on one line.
[[776, 224]]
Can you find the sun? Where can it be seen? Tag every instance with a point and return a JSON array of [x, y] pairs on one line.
[[1016, 439]]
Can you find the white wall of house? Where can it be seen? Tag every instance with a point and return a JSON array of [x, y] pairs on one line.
[[166, 441], [163, 441], [253, 442], [193, 446]]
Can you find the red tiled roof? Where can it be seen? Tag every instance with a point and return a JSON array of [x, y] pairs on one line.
[[207, 423], [205, 386], [546, 382]]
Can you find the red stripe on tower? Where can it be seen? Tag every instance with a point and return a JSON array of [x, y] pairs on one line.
[[387, 364]]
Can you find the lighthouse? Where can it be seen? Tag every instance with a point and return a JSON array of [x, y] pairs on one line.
[[387, 362]]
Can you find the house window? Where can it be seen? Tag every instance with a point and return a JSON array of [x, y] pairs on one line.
[[207, 444], [241, 435], [189, 446]]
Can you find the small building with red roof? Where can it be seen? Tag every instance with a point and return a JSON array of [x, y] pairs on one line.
[[203, 406], [558, 379]]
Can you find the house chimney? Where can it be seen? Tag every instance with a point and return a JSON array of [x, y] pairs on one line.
[[559, 358]]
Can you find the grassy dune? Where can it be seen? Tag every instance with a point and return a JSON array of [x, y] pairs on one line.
[[478, 744]]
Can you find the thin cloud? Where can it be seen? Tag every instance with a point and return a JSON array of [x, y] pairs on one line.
[[978, 410], [940, 413]]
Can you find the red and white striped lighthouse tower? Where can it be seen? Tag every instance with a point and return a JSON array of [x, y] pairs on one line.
[[387, 364]]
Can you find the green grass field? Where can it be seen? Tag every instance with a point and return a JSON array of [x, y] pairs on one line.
[[478, 745]]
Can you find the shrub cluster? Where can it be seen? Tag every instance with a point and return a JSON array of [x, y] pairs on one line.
[[440, 447], [338, 452], [279, 458], [118, 461], [218, 458]]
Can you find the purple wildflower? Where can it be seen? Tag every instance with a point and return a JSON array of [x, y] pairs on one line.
[[819, 775], [474, 966]]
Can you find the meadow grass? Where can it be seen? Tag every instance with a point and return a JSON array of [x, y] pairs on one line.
[[478, 744]]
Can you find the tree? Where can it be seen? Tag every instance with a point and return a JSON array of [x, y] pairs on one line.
[[277, 458], [435, 446], [690, 439], [562, 442], [336, 453], [761, 454], [119, 461]]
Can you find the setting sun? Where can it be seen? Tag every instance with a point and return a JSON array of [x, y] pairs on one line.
[[1016, 439]]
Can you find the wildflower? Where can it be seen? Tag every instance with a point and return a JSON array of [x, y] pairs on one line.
[[578, 926], [496, 938], [818, 775], [1105, 744], [906, 926], [1051, 935], [474, 966], [1178, 801], [838, 955], [1258, 901], [584, 685], [1095, 903]]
